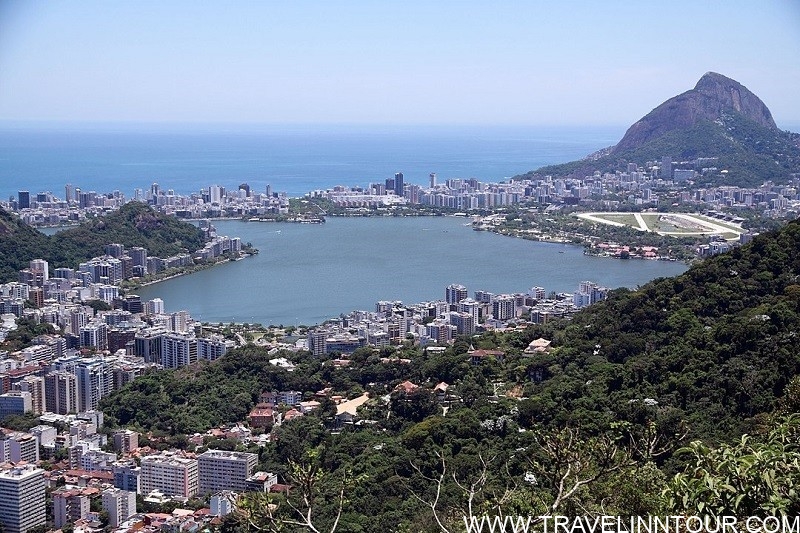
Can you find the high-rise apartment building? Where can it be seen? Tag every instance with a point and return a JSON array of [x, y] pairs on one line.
[[464, 323], [127, 475], [22, 499], [61, 392], [169, 474], [213, 347], [468, 305], [317, 341], [504, 307], [69, 506], [222, 470], [35, 386], [455, 293], [147, 344], [178, 349], [94, 379], [126, 441], [119, 504], [17, 447]]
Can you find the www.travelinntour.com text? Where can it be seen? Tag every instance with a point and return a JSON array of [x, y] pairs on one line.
[[631, 524]]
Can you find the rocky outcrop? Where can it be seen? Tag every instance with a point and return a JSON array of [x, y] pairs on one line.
[[714, 96]]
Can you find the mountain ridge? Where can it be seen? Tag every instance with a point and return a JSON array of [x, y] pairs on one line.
[[710, 99], [718, 118]]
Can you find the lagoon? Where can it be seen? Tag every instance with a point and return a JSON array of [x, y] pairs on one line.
[[308, 273]]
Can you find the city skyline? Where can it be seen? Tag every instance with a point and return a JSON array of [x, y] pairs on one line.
[[437, 63]]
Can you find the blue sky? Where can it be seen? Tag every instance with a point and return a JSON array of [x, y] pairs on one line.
[[440, 62]]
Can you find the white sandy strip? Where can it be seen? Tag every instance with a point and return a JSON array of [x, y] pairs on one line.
[[640, 219], [592, 217]]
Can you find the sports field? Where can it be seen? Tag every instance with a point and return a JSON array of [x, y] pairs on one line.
[[678, 224]]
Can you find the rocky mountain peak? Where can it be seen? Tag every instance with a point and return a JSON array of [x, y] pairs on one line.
[[714, 96]]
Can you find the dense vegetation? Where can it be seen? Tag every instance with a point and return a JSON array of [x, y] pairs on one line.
[[593, 426], [716, 345], [134, 224]]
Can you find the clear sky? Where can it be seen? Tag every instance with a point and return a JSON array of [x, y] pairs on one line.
[[550, 62]]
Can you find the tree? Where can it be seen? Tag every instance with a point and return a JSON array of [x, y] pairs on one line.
[[556, 475], [310, 489], [753, 477]]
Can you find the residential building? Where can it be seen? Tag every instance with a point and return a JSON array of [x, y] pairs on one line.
[[22, 498], [222, 470], [468, 305], [261, 482], [35, 386], [21, 447], [289, 397], [69, 506], [455, 293], [178, 349], [504, 307], [213, 347], [223, 503], [119, 504], [94, 378], [126, 441], [94, 335], [126, 475], [169, 474], [147, 344], [317, 341], [61, 392], [464, 323]]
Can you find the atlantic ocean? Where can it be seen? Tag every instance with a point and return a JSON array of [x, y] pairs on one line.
[[296, 159]]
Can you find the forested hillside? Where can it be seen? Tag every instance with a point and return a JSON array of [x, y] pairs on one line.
[[716, 345], [590, 426], [134, 224]]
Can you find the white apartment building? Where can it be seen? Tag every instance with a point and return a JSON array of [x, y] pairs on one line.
[[169, 474], [221, 470], [178, 349], [120, 505], [22, 501]]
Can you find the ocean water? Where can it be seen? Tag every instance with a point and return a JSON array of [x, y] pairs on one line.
[[306, 274], [294, 159]]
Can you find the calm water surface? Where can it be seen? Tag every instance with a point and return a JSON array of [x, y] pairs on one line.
[[306, 274]]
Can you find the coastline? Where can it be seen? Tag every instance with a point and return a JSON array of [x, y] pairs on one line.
[[195, 269]]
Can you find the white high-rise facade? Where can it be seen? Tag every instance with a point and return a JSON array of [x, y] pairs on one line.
[[170, 475], [120, 505], [178, 349], [22, 500], [222, 470]]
